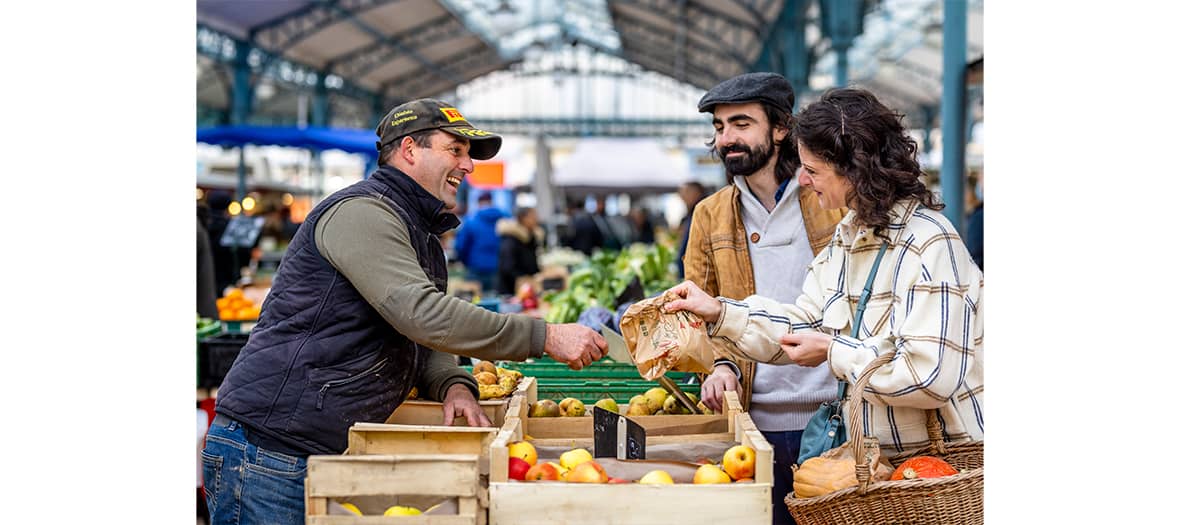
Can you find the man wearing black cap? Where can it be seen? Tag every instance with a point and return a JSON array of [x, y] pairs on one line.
[[757, 235], [358, 316]]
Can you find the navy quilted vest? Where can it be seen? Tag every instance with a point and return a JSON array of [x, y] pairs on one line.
[[320, 358]]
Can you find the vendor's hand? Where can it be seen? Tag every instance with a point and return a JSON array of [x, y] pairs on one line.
[[694, 300], [717, 384], [806, 348], [573, 344], [459, 402]]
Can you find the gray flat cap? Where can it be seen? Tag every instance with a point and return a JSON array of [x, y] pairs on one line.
[[772, 88]]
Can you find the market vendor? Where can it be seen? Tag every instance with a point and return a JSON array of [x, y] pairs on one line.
[[358, 315]]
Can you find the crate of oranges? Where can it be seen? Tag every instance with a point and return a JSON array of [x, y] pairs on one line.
[[235, 306]]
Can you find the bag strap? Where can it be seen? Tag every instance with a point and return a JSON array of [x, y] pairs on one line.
[[860, 307]]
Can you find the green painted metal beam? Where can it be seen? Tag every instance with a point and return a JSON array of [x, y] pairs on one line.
[[954, 81]]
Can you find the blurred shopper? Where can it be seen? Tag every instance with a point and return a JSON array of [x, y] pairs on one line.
[[974, 238], [645, 231], [206, 280], [691, 193], [478, 245], [758, 234], [519, 240], [925, 304], [358, 316], [585, 235], [227, 261]]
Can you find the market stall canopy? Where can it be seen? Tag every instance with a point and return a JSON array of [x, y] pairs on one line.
[[349, 140], [620, 166]]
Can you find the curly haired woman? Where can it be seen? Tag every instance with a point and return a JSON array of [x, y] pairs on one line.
[[927, 298]]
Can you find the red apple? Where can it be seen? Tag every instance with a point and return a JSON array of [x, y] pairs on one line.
[[542, 471], [617, 480], [587, 472], [517, 468]]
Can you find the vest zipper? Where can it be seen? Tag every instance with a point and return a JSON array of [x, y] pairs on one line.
[[319, 403]]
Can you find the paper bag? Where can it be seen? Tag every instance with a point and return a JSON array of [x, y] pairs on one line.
[[660, 341]]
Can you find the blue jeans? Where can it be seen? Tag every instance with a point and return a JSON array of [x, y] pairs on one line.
[[786, 451], [247, 485]]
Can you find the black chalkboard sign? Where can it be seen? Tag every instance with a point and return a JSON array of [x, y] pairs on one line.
[[618, 437], [242, 232]]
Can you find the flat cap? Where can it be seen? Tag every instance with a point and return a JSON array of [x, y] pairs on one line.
[[771, 88]]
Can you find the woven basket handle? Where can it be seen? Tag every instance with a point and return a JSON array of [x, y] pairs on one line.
[[862, 445]]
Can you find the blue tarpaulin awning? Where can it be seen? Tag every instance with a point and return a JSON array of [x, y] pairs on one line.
[[350, 140]]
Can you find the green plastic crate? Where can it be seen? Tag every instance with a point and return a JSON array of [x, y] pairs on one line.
[[543, 369], [591, 391]]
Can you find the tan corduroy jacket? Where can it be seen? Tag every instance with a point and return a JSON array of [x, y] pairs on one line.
[[718, 260]]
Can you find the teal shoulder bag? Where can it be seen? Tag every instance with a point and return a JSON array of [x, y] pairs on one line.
[[825, 430]]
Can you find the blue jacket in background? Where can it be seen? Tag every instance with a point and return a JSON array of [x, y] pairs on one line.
[[476, 243]]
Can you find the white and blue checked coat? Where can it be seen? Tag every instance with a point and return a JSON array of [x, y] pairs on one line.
[[926, 302]]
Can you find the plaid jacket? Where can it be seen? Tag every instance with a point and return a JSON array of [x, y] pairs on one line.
[[926, 302]]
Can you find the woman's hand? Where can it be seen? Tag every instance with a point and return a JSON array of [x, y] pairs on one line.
[[806, 348], [694, 300]]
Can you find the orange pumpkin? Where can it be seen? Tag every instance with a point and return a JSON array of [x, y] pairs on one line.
[[923, 467]]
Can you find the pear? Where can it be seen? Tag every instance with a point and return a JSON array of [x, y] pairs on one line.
[[545, 408], [638, 406], [607, 404], [655, 398], [673, 406], [571, 407]]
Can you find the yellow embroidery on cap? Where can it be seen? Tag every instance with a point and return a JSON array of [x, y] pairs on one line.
[[452, 114], [470, 132]]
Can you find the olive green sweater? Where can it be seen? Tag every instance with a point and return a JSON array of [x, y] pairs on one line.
[[367, 242]]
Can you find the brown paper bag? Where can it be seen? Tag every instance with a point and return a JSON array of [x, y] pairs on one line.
[[660, 341]]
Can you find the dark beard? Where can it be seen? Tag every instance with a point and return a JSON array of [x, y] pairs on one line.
[[754, 160]]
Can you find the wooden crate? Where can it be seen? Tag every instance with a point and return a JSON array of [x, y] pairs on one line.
[[442, 476], [528, 503], [411, 459]]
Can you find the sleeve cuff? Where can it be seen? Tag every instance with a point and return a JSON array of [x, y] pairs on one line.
[[537, 341], [446, 384], [731, 324], [736, 370], [837, 356]]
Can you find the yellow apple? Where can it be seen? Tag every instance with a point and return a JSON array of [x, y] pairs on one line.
[[739, 462], [562, 472], [351, 508], [572, 458], [710, 474], [398, 510], [523, 450], [657, 477], [587, 472]]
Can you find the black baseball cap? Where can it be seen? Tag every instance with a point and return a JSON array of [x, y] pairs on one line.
[[428, 113], [771, 88]]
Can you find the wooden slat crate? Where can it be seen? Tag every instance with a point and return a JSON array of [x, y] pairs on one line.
[[558, 503], [350, 476], [410, 456]]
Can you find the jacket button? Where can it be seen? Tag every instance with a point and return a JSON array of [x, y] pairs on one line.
[[754, 237]]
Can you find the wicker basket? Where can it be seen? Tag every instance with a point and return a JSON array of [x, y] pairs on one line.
[[952, 500]]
